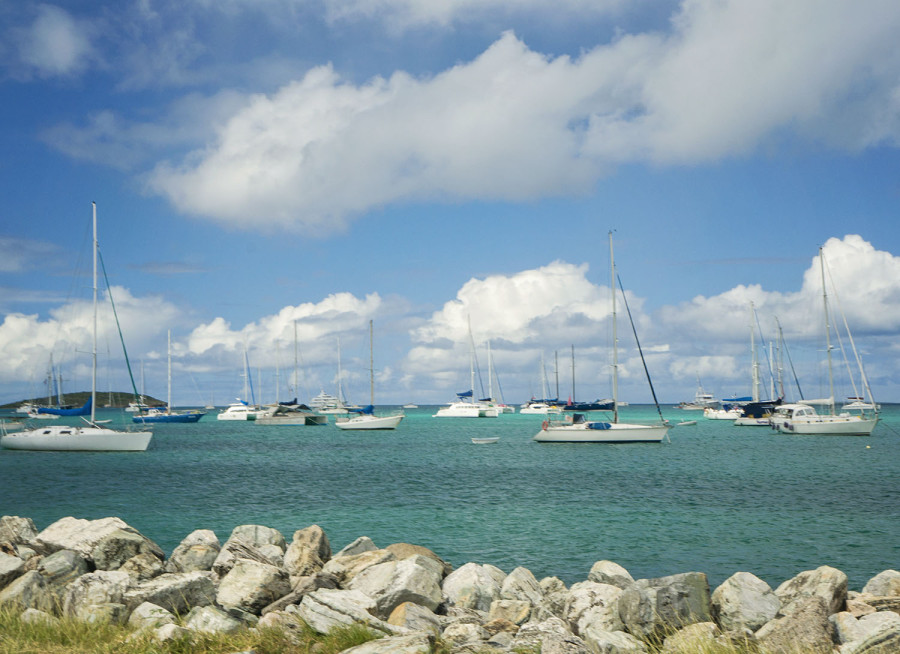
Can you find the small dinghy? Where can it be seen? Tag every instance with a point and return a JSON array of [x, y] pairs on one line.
[[485, 441]]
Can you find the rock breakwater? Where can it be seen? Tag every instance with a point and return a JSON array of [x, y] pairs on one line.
[[107, 570]]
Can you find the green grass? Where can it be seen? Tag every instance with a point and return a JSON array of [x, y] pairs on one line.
[[70, 636]]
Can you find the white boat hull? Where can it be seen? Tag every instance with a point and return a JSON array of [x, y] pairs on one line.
[[467, 410], [830, 425], [293, 420], [369, 422], [61, 438], [610, 433]]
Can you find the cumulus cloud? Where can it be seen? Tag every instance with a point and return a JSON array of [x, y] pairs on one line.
[[514, 124], [55, 44]]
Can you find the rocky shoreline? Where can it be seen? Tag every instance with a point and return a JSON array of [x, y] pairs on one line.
[[106, 570]]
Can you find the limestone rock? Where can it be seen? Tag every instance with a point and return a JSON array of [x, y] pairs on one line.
[[804, 629], [258, 536], [510, 610], [308, 552], [150, 616], [463, 632], [472, 586], [301, 586], [415, 617], [210, 620], [35, 616], [11, 567], [394, 582], [143, 566], [826, 582], [29, 591], [549, 637], [601, 641], [197, 552], [882, 642], [412, 644], [113, 549], [17, 530], [553, 601], [871, 633], [744, 600], [360, 545], [175, 592], [883, 584], [593, 604], [649, 606], [106, 612], [234, 551], [103, 587], [251, 586], [325, 608], [172, 632], [609, 572], [520, 584], [345, 568], [405, 550], [76, 534]]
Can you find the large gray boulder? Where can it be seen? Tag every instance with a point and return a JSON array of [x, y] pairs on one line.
[[211, 620], [345, 568], [175, 592], [392, 583], [405, 550], [415, 617], [11, 567], [853, 635], [521, 584], [197, 552], [29, 591], [115, 548], [805, 629], [600, 641], [16, 530], [259, 536], [360, 545], [744, 601], [472, 586], [251, 586], [826, 582], [548, 637], [609, 572], [237, 550], [76, 534], [884, 584], [150, 616], [308, 552], [593, 605], [421, 643], [650, 606], [101, 588], [325, 609]]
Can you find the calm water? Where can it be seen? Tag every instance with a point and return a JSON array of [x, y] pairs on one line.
[[717, 499]]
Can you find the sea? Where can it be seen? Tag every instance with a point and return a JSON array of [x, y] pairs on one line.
[[716, 498]]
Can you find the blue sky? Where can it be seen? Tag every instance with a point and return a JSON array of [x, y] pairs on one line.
[[425, 165]]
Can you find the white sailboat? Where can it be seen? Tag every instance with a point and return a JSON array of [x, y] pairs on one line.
[[366, 418], [803, 419], [541, 406], [465, 405], [241, 409], [576, 429], [155, 414], [90, 437]]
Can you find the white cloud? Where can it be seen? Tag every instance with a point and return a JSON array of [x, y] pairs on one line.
[[514, 124], [56, 44]]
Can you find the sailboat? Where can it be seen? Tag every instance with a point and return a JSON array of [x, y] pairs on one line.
[[465, 405], [544, 405], [292, 413], [596, 405], [365, 418], [577, 429], [90, 437], [240, 409], [803, 418], [167, 415]]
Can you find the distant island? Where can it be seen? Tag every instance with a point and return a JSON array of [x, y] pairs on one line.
[[105, 399]]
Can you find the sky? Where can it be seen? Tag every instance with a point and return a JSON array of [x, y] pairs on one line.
[[450, 171]]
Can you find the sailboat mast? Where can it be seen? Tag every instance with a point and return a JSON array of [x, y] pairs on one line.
[[94, 346], [754, 357], [371, 366], [827, 332], [169, 373], [573, 372], [615, 337]]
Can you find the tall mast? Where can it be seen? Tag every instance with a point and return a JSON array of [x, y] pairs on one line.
[[615, 338], [827, 332], [754, 358], [94, 347], [371, 366], [573, 372], [169, 373]]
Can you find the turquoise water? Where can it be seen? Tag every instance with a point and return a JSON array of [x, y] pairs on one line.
[[716, 499]]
